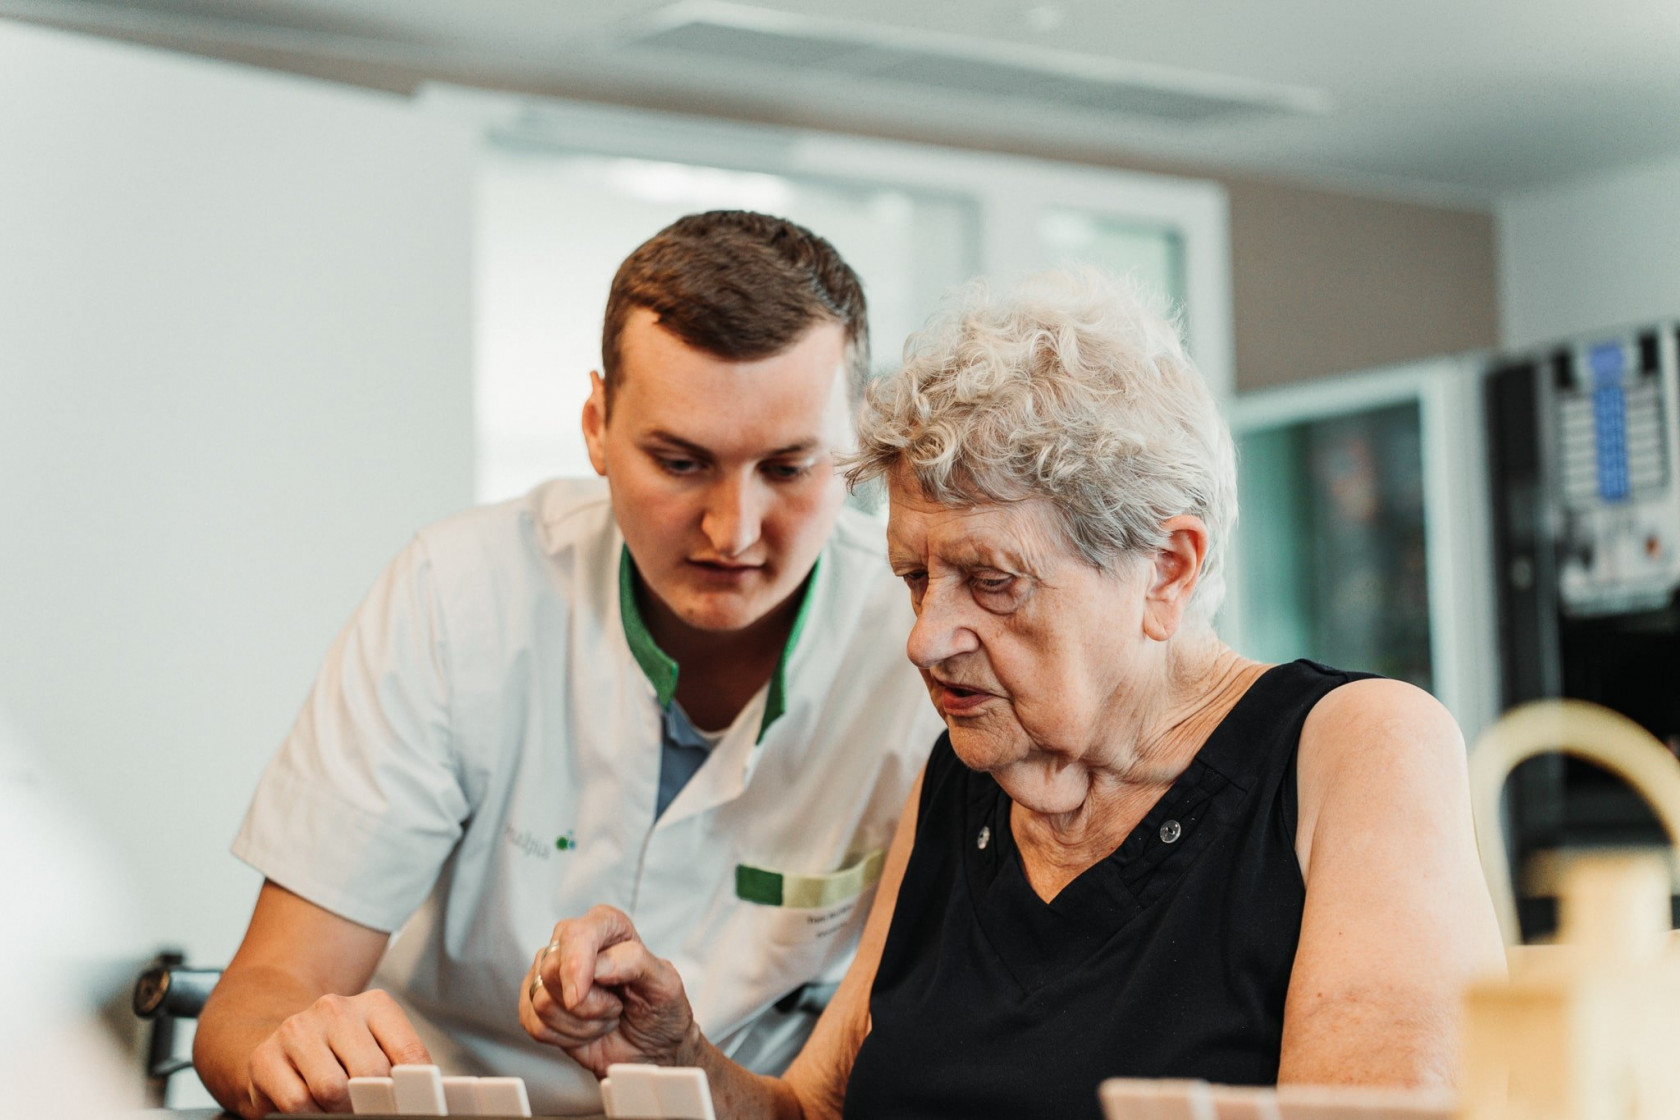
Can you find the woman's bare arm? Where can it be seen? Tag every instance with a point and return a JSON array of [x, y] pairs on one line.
[[818, 1076], [1397, 918]]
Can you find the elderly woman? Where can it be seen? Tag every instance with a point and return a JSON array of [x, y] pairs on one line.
[[1134, 852]]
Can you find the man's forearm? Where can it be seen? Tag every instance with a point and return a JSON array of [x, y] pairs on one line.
[[246, 1007]]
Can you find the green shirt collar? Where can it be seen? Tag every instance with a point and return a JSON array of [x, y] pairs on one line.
[[661, 670]]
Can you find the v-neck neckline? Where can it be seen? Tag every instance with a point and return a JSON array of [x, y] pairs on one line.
[[1038, 940]]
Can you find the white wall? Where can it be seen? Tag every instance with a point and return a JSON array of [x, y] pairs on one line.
[[235, 374], [1599, 253]]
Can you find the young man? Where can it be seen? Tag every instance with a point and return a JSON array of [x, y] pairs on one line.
[[682, 695]]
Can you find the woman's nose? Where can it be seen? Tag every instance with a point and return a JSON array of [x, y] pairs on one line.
[[940, 632], [734, 516]]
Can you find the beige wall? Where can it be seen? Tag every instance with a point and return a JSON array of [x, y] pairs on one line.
[[1324, 281]]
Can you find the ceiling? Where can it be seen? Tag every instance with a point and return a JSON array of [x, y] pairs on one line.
[[1454, 100]]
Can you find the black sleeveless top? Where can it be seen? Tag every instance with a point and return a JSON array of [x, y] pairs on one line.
[[1169, 958]]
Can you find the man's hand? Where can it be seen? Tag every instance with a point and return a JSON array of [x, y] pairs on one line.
[[283, 1031], [596, 992], [306, 1065]]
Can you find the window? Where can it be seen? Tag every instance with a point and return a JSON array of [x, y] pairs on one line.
[[565, 191], [553, 227]]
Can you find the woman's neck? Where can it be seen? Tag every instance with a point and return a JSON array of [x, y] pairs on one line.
[[1200, 685], [1152, 742]]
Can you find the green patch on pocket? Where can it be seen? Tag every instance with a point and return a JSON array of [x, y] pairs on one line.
[[808, 892]]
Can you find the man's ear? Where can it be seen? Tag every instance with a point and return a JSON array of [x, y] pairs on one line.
[[1175, 569], [595, 423]]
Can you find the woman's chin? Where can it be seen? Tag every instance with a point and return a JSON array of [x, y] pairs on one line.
[[1041, 784], [980, 750]]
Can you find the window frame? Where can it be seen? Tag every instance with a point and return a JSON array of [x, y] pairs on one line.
[[1456, 498], [1008, 193]]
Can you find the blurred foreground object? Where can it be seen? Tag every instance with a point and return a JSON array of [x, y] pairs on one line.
[[1148, 1099], [1588, 1029], [60, 941]]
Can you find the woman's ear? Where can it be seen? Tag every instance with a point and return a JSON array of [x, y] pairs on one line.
[[595, 423], [1176, 569]]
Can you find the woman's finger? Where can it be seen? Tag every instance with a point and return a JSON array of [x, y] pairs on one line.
[[569, 970], [631, 964]]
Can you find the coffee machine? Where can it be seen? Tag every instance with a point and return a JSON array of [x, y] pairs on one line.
[[1584, 473]]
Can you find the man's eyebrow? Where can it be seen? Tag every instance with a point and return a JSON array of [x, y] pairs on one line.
[[699, 452], [689, 446], [809, 444]]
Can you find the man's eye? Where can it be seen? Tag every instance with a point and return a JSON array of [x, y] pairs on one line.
[[677, 466], [913, 580], [993, 585], [787, 472]]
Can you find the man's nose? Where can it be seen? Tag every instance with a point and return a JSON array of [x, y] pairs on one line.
[[942, 630], [734, 515]]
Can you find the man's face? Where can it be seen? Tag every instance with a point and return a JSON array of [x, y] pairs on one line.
[[722, 472]]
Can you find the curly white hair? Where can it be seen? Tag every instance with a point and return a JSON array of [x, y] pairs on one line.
[[1074, 388]]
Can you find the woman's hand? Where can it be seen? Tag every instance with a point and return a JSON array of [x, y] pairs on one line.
[[596, 992]]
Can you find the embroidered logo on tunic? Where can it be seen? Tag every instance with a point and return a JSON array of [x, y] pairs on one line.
[[566, 842], [525, 842]]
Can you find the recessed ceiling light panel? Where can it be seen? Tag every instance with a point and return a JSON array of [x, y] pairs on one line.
[[716, 31]]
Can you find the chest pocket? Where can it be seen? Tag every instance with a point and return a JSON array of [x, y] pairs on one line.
[[807, 925]]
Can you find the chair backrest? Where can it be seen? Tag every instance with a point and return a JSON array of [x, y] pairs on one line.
[[1571, 727]]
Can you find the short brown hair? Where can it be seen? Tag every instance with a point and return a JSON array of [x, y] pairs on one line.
[[738, 285]]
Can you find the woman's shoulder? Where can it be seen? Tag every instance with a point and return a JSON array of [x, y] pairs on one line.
[[1338, 705], [1369, 712], [1377, 741]]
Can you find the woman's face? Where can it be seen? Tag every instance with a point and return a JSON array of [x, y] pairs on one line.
[[1033, 657]]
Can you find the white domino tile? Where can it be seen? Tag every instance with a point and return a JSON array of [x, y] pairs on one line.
[[460, 1096], [373, 1096], [1339, 1102], [633, 1094], [683, 1094], [1152, 1099], [423, 1091], [419, 1091], [502, 1096], [1244, 1102]]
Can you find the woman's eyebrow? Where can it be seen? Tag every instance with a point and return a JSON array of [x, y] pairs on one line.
[[969, 554]]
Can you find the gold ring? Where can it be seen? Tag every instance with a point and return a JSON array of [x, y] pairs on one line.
[[536, 983]]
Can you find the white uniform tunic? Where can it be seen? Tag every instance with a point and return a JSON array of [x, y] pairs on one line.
[[481, 753]]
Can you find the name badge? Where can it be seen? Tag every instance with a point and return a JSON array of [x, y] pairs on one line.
[[808, 892]]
